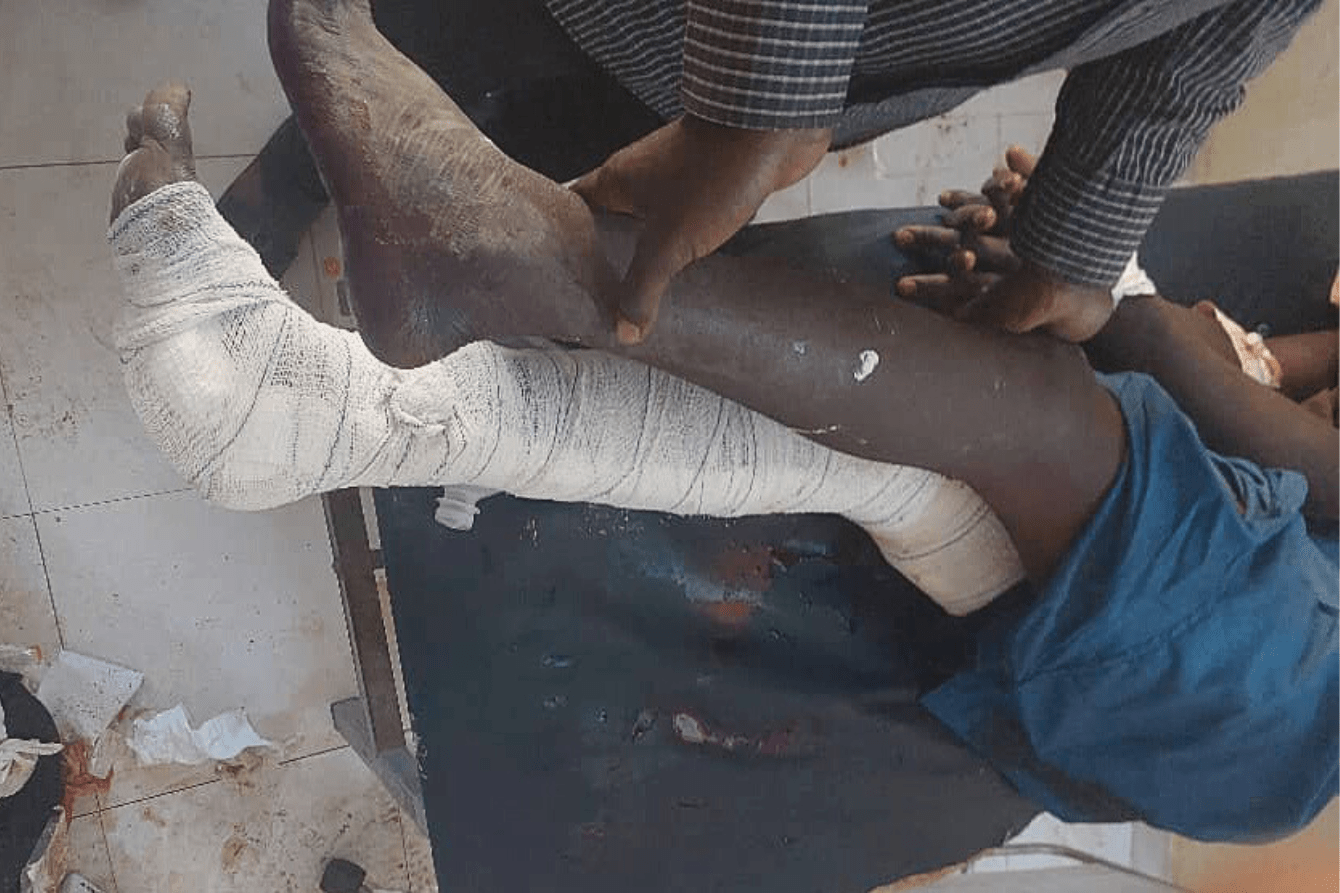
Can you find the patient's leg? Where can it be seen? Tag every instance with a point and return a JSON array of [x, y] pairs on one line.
[[446, 240], [426, 204]]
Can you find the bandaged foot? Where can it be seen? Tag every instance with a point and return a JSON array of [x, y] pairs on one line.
[[257, 404], [448, 242], [158, 146], [446, 239]]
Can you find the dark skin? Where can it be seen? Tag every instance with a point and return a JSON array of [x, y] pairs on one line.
[[1184, 349], [689, 207], [447, 241], [696, 183]]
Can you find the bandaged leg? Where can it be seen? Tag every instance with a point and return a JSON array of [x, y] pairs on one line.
[[257, 404]]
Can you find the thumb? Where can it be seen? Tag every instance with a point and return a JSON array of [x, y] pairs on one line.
[[606, 188], [660, 255], [1021, 161]]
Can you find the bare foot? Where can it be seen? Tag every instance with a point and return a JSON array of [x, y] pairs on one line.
[[446, 240], [158, 146]]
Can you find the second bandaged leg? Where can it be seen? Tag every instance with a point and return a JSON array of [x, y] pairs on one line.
[[257, 404]]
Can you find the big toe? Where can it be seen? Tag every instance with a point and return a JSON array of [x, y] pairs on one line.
[[163, 118]]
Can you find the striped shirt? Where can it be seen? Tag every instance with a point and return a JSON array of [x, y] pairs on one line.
[[1147, 81]]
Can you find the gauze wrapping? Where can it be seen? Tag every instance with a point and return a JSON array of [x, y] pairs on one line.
[[257, 404]]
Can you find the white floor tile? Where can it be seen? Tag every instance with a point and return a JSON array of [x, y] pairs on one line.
[[895, 154], [13, 491], [947, 141], [960, 141], [218, 609], [26, 616], [88, 853], [1029, 131], [1111, 842], [1024, 96], [848, 180], [1151, 851], [77, 434], [790, 203], [268, 830], [73, 68]]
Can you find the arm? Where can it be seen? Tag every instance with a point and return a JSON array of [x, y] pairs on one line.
[[1308, 362], [1185, 350], [1235, 415], [769, 64], [1128, 126], [762, 82]]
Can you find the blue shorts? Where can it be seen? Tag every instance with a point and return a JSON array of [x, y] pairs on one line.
[[1181, 662]]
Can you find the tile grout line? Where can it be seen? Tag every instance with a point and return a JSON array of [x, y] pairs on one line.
[[101, 502], [51, 594], [209, 781], [107, 850], [14, 437], [38, 165], [32, 516], [316, 753], [404, 848], [147, 797]]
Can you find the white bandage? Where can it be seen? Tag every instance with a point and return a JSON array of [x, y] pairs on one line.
[[1250, 348], [257, 404], [1133, 281], [1253, 356]]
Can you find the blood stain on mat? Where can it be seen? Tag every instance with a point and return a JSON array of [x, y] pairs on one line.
[[747, 569], [729, 613]]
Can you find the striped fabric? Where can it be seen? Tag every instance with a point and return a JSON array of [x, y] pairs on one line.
[[1127, 124]]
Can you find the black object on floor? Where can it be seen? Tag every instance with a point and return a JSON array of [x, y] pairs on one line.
[[24, 815], [342, 876], [276, 198]]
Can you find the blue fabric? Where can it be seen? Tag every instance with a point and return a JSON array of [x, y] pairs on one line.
[[1182, 660]]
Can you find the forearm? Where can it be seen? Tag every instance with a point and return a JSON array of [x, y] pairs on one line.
[[1307, 362], [769, 64], [1234, 415], [1127, 127]]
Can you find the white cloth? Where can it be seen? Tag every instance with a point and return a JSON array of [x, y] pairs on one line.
[[1250, 348], [18, 758], [1253, 356], [1133, 281], [257, 404]]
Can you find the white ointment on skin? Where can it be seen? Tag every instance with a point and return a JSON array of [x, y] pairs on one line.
[[867, 363]]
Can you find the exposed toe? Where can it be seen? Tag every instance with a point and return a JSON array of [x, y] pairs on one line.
[[164, 118]]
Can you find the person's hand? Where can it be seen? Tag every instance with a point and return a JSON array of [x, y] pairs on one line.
[[1002, 191], [1033, 299], [984, 281], [695, 184]]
